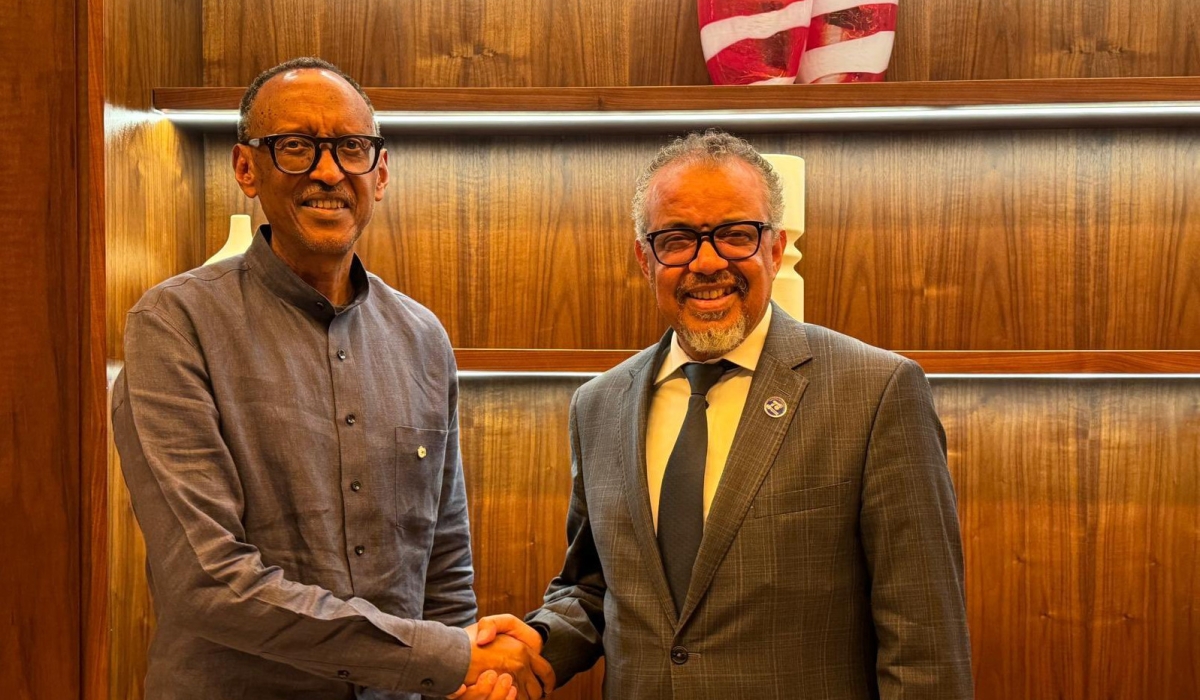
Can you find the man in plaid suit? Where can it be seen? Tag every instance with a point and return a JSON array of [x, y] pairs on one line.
[[761, 507]]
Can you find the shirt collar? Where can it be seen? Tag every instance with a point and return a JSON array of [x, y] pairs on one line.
[[275, 274], [744, 356]]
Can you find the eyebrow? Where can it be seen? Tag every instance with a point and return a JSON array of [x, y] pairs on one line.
[[676, 223]]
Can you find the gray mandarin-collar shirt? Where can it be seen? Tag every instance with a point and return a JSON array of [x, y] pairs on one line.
[[295, 470]]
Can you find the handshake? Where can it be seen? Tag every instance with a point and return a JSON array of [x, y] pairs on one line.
[[506, 662]]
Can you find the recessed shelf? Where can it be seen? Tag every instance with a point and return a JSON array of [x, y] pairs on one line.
[[954, 104], [961, 362]]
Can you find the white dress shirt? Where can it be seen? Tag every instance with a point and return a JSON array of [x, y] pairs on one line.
[[726, 400]]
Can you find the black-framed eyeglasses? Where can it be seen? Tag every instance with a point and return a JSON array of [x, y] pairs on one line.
[[736, 240], [298, 154]]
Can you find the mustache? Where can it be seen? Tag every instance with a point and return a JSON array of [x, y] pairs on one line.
[[326, 191], [723, 278]]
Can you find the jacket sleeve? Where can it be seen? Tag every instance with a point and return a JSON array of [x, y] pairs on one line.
[[910, 534], [572, 614], [188, 500]]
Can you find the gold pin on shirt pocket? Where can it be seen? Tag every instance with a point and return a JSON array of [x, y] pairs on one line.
[[420, 459]]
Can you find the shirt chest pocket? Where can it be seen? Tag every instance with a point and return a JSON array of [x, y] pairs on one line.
[[420, 463], [801, 500]]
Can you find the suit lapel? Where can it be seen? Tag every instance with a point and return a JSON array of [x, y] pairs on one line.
[[755, 445], [635, 409]]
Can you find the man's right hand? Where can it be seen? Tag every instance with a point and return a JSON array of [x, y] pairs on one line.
[[504, 644]]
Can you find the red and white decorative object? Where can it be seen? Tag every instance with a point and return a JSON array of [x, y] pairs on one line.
[[849, 41], [753, 42]]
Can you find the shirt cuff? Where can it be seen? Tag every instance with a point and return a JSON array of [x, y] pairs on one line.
[[441, 656]]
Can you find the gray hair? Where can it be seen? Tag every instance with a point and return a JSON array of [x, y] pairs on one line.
[[243, 126], [713, 146]]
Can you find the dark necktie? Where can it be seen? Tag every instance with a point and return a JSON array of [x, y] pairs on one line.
[[681, 500]]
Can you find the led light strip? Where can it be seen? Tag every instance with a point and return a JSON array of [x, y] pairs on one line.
[[1114, 114], [1061, 375], [500, 374]]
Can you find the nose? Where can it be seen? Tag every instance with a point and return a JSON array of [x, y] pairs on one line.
[[327, 170], [707, 261]]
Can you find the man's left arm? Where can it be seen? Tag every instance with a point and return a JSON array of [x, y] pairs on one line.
[[449, 598], [910, 533]]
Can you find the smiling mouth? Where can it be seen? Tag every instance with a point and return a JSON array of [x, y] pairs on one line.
[[709, 294], [327, 204]]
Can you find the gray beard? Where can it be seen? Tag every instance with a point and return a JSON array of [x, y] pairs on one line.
[[715, 341]]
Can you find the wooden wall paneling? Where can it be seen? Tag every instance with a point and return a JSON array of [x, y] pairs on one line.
[[657, 42], [1145, 594], [955, 40], [48, 371], [154, 173], [1031, 240], [516, 457], [90, 91], [155, 211], [1080, 507], [461, 43], [1003, 241], [155, 214]]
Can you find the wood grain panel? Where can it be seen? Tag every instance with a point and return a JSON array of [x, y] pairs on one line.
[[51, 303], [1080, 508], [154, 170], [478, 43], [460, 43], [517, 462], [1033, 240], [947, 93], [1019, 241], [155, 230], [954, 40], [90, 90]]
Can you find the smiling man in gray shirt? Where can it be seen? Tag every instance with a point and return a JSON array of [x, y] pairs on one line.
[[288, 429]]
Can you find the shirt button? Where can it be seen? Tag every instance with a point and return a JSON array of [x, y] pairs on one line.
[[350, 419], [341, 354], [343, 674], [421, 452], [359, 550], [679, 656], [355, 485], [427, 683]]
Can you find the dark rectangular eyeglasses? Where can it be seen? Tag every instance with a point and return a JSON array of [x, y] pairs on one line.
[[736, 240], [298, 154]]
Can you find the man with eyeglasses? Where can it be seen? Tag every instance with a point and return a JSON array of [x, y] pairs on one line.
[[288, 429], [761, 507]]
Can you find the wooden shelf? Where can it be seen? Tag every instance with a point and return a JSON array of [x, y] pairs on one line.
[[981, 362], [944, 93], [957, 104]]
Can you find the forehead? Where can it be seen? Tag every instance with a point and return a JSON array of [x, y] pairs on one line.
[[310, 100], [705, 192]]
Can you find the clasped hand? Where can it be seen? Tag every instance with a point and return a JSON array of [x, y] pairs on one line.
[[506, 662]]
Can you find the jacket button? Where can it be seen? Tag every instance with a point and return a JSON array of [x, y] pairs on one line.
[[679, 656]]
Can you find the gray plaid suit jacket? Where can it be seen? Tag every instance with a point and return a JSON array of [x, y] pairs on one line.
[[831, 565]]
